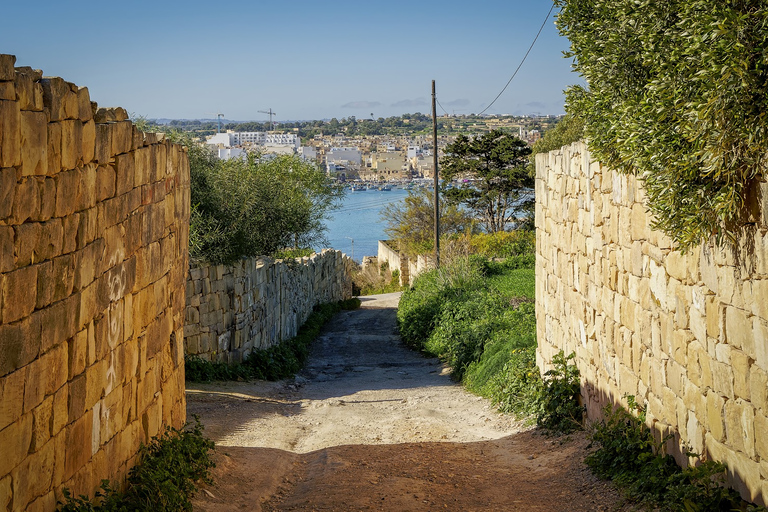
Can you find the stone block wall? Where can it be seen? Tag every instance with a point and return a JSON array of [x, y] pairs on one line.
[[409, 268], [93, 259], [687, 334], [258, 302]]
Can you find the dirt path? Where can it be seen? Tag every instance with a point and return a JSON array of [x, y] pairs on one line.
[[371, 425]]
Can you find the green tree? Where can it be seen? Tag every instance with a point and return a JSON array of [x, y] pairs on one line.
[[254, 206], [678, 95], [411, 222], [569, 129], [497, 162]]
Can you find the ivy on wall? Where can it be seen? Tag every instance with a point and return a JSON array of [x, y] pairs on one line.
[[677, 93]]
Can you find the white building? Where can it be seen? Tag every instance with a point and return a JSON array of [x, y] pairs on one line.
[[230, 139], [350, 154], [414, 151], [227, 153]]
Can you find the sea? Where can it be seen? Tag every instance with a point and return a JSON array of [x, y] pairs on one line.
[[356, 227]]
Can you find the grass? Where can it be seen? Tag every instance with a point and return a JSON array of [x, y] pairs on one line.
[[479, 316], [274, 363]]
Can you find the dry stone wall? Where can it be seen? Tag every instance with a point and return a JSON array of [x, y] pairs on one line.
[[93, 260], [258, 302], [687, 334]]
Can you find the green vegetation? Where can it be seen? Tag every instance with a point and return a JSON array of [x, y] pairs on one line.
[[569, 129], [274, 363], [373, 281], [250, 207], [497, 161], [411, 222], [164, 479], [478, 316], [678, 95], [629, 455]]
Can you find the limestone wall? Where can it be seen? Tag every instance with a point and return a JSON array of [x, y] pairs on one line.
[[686, 334], [258, 302], [93, 257], [409, 268]]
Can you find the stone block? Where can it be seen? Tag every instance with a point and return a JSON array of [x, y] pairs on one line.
[[67, 192], [47, 193], [26, 237], [741, 368], [34, 143], [761, 437], [58, 322], [54, 148], [71, 144], [6, 493], [19, 293], [110, 115], [758, 389], [105, 182], [10, 134], [103, 145], [89, 141], [79, 437], [84, 112], [26, 204], [42, 417], [7, 193], [55, 91], [715, 416], [7, 72], [740, 426], [15, 440], [125, 172], [7, 91], [122, 137], [29, 93], [738, 330], [11, 397]]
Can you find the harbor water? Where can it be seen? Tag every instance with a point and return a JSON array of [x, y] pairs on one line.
[[359, 220]]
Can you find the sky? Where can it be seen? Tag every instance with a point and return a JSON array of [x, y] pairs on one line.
[[302, 59]]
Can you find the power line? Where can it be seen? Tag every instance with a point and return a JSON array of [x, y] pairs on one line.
[[523, 61], [443, 109]]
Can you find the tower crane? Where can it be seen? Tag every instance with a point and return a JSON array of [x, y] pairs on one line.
[[271, 113]]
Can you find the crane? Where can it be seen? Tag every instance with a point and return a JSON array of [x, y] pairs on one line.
[[270, 116]]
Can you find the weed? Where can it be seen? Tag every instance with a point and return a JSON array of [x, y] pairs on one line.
[[560, 411], [163, 480], [629, 455]]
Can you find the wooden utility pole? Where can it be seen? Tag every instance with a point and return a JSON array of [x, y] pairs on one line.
[[437, 183]]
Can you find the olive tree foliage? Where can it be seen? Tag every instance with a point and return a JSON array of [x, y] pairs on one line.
[[255, 206], [677, 94], [411, 222], [497, 162]]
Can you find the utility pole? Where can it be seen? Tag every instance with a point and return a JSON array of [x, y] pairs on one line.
[[437, 183]]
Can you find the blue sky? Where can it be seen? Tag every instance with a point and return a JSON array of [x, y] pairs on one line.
[[303, 59]]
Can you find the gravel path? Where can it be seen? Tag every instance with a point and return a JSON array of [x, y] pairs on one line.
[[372, 425]]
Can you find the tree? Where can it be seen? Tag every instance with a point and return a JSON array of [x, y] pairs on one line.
[[254, 206], [496, 161], [678, 95], [411, 221]]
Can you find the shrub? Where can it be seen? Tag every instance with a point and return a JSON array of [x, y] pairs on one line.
[[629, 455], [677, 94], [560, 410], [164, 479], [504, 244]]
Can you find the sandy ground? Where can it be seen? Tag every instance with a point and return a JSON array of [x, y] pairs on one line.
[[371, 425]]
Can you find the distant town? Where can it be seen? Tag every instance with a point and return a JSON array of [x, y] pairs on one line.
[[392, 149]]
